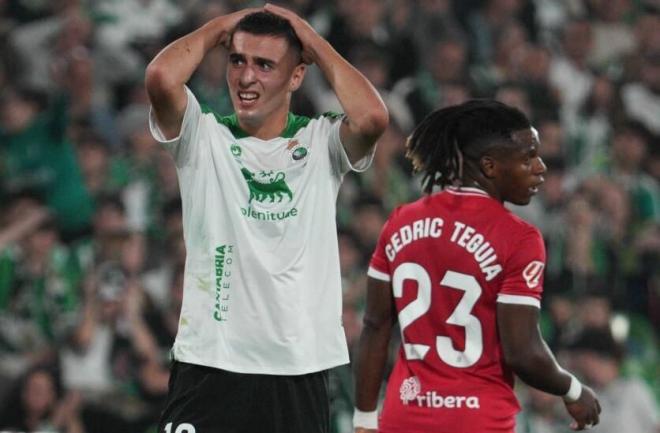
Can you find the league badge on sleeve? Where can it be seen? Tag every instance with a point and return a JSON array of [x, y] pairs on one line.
[[532, 273]]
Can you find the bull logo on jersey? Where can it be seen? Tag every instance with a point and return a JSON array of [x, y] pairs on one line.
[[532, 273], [273, 189], [409, 389]]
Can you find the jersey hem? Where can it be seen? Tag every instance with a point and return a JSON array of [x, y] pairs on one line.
[[274, 372], [375, 273], [519, 300]]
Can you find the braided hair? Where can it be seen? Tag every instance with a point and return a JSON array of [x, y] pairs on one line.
[[446, 138]]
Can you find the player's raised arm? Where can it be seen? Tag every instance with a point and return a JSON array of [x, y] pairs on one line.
[[171, 69], [527, 354], [366, 114], [379, 318]]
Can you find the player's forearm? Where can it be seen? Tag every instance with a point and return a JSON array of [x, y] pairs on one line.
[[176, 63], [525, 352], [370, 365], [538, 368], [359, 99]]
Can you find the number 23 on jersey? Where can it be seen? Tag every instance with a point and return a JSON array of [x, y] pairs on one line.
[[461, 316]]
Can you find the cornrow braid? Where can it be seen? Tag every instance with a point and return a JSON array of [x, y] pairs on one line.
[[446, 138]]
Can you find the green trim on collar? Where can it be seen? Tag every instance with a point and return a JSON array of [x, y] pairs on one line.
[[293, 123], [333, 115], [231, 122]]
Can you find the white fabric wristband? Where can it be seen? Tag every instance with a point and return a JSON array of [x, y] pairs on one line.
[[365, 419], [574, 391]]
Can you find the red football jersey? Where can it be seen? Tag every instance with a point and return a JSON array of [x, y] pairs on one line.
[[450, 257]]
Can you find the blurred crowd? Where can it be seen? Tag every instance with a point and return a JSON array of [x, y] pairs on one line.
[[91, 248]]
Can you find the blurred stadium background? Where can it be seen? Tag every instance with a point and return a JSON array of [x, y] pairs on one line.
[[91, 252]]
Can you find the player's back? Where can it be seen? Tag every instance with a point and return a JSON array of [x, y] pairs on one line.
[[450, 258]]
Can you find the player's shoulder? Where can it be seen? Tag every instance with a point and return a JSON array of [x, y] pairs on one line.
[[227, 124], [519, 227], [317, 125], [405, 212]]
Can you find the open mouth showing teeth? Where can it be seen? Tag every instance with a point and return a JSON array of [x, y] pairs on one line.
[[248, 96], [535, 188]]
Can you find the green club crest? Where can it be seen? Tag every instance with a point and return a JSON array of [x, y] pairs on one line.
[[299, 153], [236, 150]]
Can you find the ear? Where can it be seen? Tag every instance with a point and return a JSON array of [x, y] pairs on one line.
[[488, 166], [297, 77]]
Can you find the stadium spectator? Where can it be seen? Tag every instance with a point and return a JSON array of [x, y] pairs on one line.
[[40, 404], [113, 358], [628, 404], [640, 98], [359, 21], [613, 36], [570, 73], [427, 89], [38, 156], [39, 297]]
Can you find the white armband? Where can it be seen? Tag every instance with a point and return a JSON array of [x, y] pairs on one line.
[[574, 391], [367, 420]]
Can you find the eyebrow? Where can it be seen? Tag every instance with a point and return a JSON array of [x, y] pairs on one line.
[[265, 60], [237, 55]]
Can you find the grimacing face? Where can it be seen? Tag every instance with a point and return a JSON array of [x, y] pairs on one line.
[[262, 72], [520, 169]]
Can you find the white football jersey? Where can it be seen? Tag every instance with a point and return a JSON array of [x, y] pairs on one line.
[[262, 290]]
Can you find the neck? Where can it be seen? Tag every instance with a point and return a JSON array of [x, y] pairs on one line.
[[482, 184], [271, 127]]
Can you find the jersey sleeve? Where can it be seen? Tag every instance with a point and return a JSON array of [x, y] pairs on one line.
[[181, 147], [339, 159], [523, 272], [379, 266]]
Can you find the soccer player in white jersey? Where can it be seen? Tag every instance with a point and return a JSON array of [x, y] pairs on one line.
[[261, 318]]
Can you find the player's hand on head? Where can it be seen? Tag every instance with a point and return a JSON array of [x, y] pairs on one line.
[[585, 410], [303, 29], [230, 21]]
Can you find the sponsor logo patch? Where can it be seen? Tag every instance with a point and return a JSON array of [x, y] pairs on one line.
[[411, 393]]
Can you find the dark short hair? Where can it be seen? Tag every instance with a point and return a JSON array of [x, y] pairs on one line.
[[267, 23], [110, 200]]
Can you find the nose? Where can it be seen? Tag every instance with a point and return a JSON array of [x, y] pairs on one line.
[[539, 167], [247, 76]]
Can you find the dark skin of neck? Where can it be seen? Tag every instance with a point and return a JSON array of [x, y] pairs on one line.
[[474, 178]]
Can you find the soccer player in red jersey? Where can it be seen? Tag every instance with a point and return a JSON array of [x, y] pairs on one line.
[[463, 277]]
